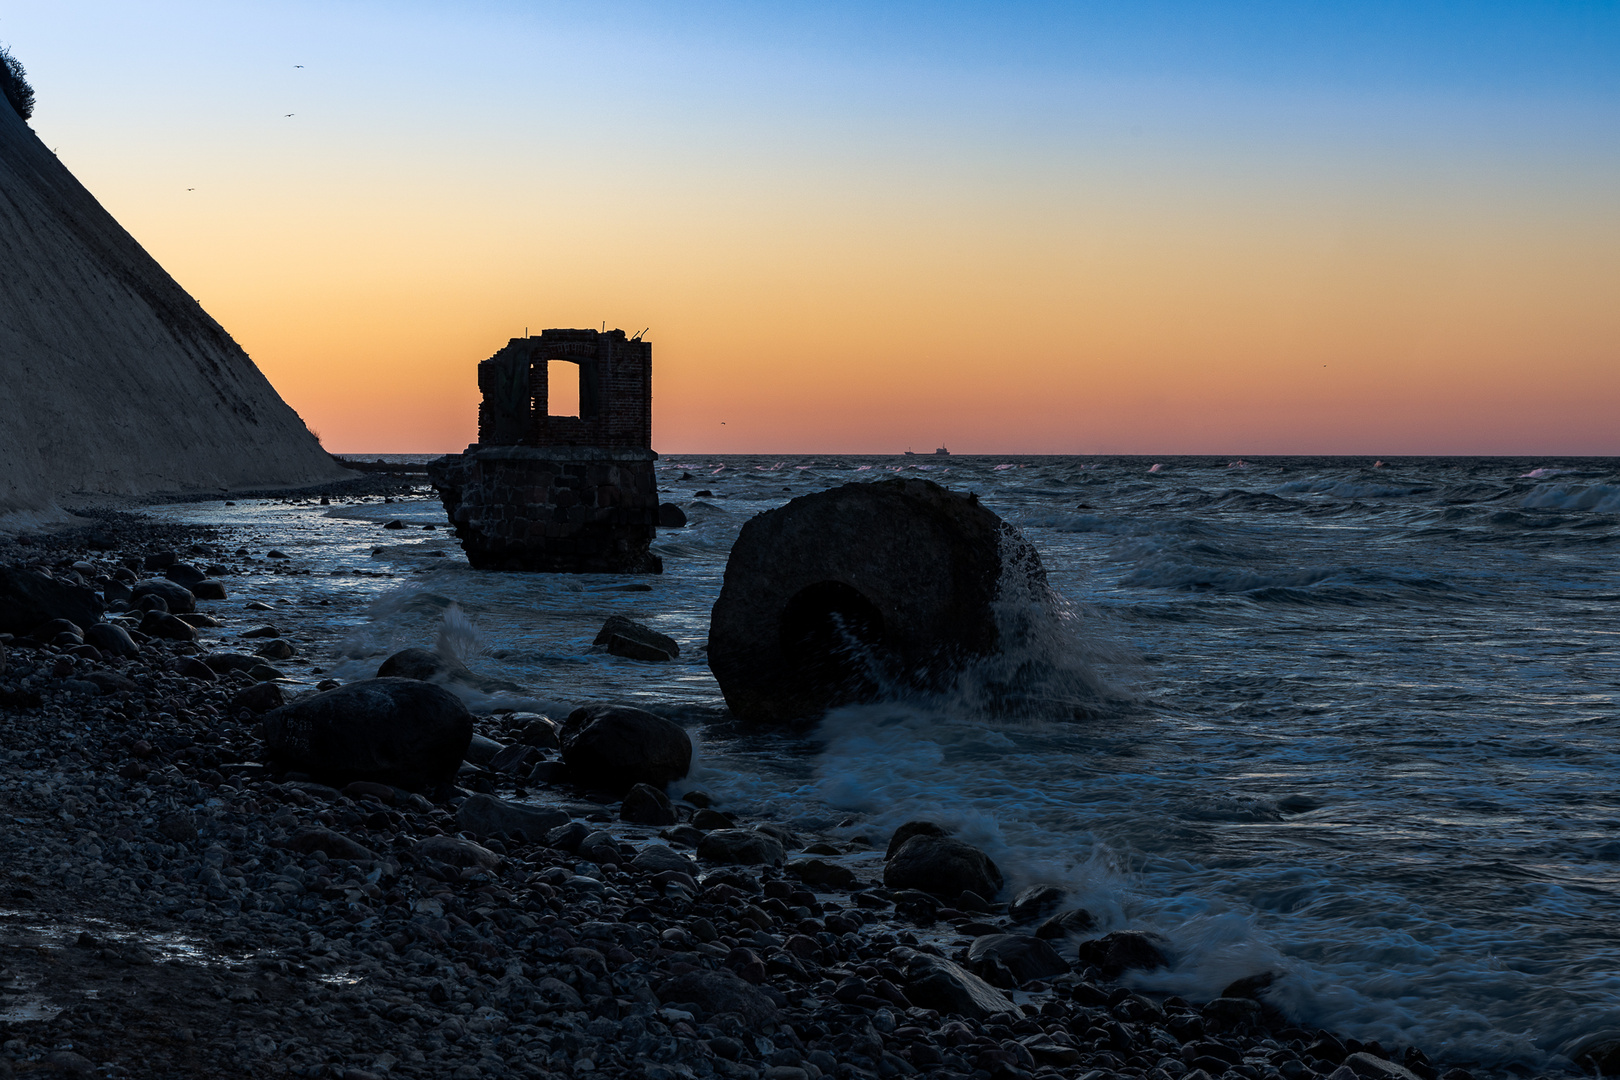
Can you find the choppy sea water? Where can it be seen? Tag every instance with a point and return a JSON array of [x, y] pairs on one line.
[[1355, 724]]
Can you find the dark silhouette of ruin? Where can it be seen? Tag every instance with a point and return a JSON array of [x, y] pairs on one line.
[[615, 392], [569, 494]]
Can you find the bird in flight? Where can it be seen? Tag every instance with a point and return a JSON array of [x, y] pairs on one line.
[[289, 114], [298, 65], [191, 189]]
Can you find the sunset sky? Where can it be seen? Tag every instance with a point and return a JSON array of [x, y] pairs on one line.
[[1135, 227]]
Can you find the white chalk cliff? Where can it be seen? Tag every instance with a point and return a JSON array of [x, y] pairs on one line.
[[113, 380]]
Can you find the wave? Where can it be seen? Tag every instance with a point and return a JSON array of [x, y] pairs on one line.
[[1334, 584], [1598, 498], [1114, 525], [1349, 489]]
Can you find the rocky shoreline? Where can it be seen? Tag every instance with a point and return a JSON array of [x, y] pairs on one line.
[[175, 907]]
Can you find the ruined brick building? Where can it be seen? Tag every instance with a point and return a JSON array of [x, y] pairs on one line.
[[568, 494]]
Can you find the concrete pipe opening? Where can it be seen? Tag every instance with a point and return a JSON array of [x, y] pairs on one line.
[[834, 636], [854, 592]]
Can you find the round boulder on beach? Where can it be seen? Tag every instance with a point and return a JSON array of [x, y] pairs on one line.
[[838, 596], [177, 597], [394, 731], [29, 597], [747, 847], [616, 747], [943, 867]]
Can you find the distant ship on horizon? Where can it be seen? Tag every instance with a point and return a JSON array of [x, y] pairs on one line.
[[941, 452]]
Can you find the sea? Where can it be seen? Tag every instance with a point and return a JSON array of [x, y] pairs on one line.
[[1354, 722]]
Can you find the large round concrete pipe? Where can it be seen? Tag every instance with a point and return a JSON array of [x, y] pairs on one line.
[[862, 590]]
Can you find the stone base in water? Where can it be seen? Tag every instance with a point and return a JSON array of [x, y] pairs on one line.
[[557, 509]]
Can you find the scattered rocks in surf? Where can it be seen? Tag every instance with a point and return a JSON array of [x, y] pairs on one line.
[[622, 637], [1124, 950], [615, 747], [646, 805], [943, 867]]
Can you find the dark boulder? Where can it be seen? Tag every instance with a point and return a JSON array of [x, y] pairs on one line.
[[916, 907], [482, 750], [394, 731], [275, 649], [485, 815], [671, 516], [111, 639], [1121, 951], [615, 747], [334, 844], [839, 595], [454, 851], [1597, 1053], [177, 598], [1011, 960], [516, 759], [721, 992], [818, 873], [184, 574], [537, 731], [745, 847], [430, 666], [258, 698], [943, 867], [193, 668], [53, 631], [621, 637], [1035, 902], [1066, 924], [707, 819], [907, 831], [659, 859], [646, 805], [28, 598], [423, 664], [933, 982], [208, 589], [1372, 1067], [160, 624]]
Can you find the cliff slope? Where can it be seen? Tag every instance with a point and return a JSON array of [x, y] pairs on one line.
[[113, 380]]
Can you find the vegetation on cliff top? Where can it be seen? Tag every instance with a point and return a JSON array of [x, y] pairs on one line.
[[14, 84]]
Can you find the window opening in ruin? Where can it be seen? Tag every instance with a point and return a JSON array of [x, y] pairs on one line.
[[562, 388]]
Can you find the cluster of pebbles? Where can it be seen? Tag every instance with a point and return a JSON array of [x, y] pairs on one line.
[[174, 907]]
